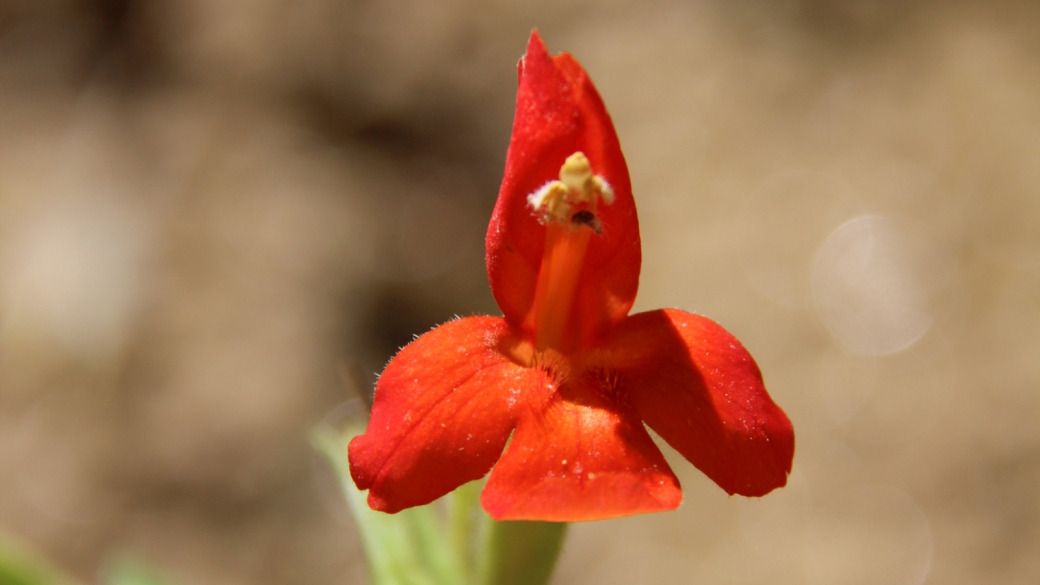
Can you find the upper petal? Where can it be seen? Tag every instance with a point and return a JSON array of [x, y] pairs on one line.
[[581, 456], [559, 112], [702, 392], [443, 410]]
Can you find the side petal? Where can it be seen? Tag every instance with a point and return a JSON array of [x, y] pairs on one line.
[[443, 410], [701, 391], [559, 112], [581, 457]]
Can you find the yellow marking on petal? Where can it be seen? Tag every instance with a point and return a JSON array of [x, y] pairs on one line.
[[519, 351]]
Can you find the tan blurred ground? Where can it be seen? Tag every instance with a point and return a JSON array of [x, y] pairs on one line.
[[217, 217]]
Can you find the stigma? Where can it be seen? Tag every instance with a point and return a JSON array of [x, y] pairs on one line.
[[572, 200]]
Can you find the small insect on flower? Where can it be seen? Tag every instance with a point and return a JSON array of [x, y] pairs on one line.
[[552, 397]]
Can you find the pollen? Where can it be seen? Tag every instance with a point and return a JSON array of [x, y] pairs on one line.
[[578, 191]]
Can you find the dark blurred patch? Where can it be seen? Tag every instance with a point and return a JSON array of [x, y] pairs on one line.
[[126, 48], [390, 316], [436, 146], [442, 129], [856, 24], [393, 136], [73, 43]]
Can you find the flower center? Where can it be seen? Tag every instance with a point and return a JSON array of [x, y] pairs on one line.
[[567, 207]]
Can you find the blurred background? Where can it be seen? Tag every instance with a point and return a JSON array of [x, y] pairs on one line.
[[218, 220]]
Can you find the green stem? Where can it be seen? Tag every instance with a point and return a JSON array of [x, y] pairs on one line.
[[463, 520], [520, 553]]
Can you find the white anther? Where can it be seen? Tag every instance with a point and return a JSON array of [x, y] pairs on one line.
[[551, 198], [606, 192]]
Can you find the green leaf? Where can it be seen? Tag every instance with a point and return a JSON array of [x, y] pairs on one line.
[[407, 548], [20, 567], [124, 570]]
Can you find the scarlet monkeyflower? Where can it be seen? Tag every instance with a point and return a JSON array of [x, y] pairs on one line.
[[565, 380]]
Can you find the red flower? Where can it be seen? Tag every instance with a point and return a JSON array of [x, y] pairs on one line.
[[564, 382]]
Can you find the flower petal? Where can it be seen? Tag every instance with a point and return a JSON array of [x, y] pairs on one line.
[[581, 457], [559, 112], [443, 410], [697, 387]]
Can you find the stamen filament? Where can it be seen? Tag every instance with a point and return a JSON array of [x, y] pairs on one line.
[[567, 208], [557, 282]]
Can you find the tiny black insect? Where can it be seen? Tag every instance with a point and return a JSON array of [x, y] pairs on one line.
[[587, 218]]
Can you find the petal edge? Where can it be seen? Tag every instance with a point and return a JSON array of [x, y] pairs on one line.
[[443, 410], [579, 458], [701, 391]]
